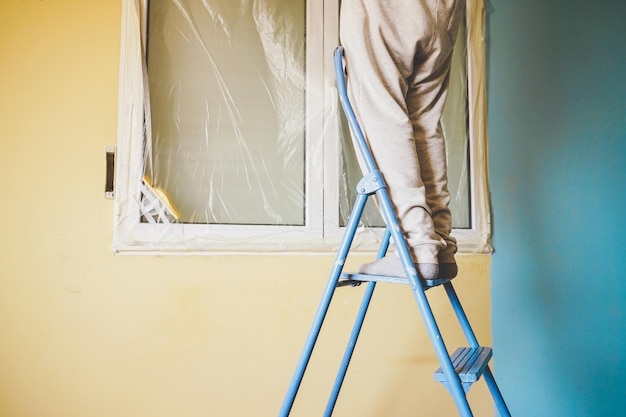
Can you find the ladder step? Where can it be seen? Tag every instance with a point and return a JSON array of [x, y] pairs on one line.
[[355, 279], [469, 364]]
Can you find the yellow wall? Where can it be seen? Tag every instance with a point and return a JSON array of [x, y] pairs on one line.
[[88, 333]]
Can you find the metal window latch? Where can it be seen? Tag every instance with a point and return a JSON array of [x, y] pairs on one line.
[[109, 186]]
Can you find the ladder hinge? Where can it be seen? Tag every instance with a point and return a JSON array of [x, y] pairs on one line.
[[370, 183]]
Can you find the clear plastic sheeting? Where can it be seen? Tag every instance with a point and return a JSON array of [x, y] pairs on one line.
[[226, 83], [230, 138]]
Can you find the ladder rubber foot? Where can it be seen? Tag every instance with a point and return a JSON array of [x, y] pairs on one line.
[[469, 364]]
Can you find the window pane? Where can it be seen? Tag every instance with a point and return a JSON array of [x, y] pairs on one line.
[[226, 84], [456, 128], [455, 124]]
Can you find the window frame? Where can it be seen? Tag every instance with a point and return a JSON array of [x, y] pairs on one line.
[[321, 232]]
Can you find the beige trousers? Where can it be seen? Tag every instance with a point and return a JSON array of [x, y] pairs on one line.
[[398, 55]]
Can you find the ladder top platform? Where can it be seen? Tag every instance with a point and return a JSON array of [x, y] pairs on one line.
[[355, 279]]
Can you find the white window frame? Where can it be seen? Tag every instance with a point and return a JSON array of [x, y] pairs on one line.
[[321, 233]]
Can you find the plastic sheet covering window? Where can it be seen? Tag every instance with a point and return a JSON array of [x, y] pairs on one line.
[[225, 125], [227, 102]]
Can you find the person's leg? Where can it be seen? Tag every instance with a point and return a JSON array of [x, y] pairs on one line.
[[428, 88], [431, 150], [381, 40]]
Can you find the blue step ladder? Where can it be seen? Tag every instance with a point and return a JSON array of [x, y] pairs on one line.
[[458, 371]]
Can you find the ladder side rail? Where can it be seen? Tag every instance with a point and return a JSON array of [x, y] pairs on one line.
[[357, 133], [389, 216], [356, 330], [460, 315], [455, 387], [305, 356], [498, 399], [496, 394]]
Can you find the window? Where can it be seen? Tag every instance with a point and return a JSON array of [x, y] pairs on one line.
[[230, 137]]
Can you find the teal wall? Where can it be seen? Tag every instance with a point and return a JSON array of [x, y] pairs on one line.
[[557, 148]]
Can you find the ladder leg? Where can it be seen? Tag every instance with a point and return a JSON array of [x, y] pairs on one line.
[[460, 315], [322, 309], [454, 383], [503, 410], [332, 401], [471, 339], [356, 330]]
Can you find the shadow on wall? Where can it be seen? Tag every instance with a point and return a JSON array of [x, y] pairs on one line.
[[557, 149]]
